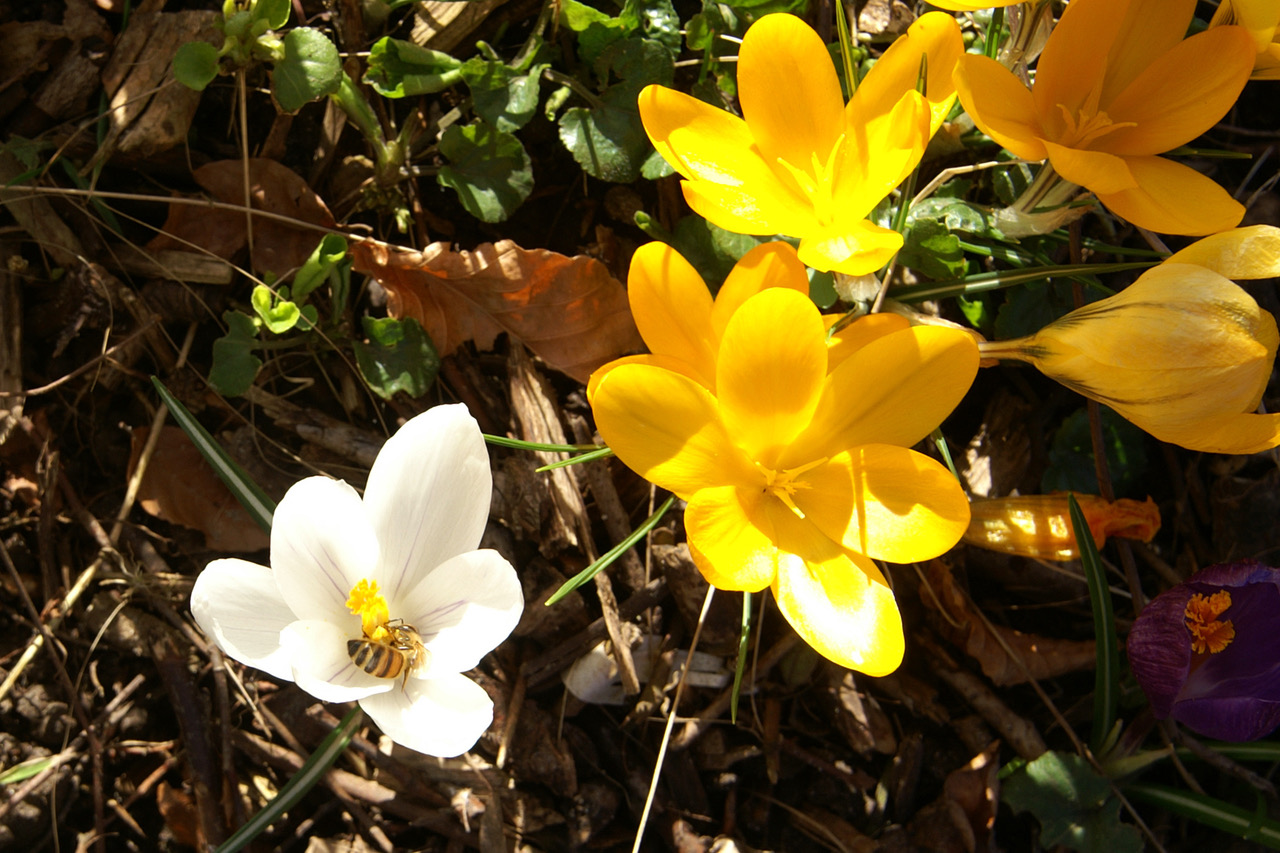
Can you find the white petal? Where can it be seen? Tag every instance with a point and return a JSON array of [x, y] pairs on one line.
[[428, 495], [439, 716], [464, 609], [238, 605], [321, 545], [321, 666]]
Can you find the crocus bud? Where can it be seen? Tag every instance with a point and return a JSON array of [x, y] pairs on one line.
[[1183, 352], [1040, 525], [1207, 652]]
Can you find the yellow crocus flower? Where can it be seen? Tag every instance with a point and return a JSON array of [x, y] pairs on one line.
[[1262, 19], [1183, 352], [1117, 85], [798, 476], [800, 161]]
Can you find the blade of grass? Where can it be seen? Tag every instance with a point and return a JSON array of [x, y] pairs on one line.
[[612, 554], [503, 441], [1008, 278], [304, 780], [1106, 685], [599, 453], [249, 493], [1252, 826], [742, 656]]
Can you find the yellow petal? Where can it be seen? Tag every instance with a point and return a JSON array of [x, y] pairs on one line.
[[858, 334], [1094, 170], [935, 37], [1074, 58], [665, 362], [1184, 93], [895, 390], [773, 360], [1240, 434], [730, 532], [698, 140], [762, 205], [1241, 253], [837, 602], [767, 265], [672, 308], [887, 502], [1148, 28], [789, 91], [877, 154], [666, 427], [1000, 106], [1259, 17], [856, 248], [1179, 349], [1173, 199]]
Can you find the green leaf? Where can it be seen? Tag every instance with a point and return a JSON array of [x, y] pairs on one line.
[[710, 249], [930, 249], [234, 364], [502, 96], [1030, 308], [957, 215], [399, 69], [274, 12], [606, 559], [277, 313], [26, 769], [1106, 685], [322, 263], [488, 169], [1011, 181], [311, 69], [195, 65], [1070, 457], [659, 22], [1073, 803], [398, 357], [1252, 826], [249, 493]]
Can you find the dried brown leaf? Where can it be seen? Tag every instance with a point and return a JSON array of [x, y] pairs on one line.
[[1034, 656], [278, 247], [181, 488], [569, 311]]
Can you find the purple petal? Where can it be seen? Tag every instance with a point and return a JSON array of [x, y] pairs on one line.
[[1236, 720], [1160, 648]]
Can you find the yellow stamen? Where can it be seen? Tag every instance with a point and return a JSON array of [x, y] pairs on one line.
[[784, 484], [367, 602], [1208, 633]]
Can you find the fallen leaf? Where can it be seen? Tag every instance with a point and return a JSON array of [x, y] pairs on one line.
[[960, 622], [569, 311], [181, 488], [278, 247]]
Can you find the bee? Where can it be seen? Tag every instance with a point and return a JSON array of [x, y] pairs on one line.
[[401, 653]]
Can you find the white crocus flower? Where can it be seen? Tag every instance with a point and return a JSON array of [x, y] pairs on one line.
[[349, 574]]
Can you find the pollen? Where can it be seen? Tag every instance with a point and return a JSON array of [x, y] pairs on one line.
[[368, 603], [1209, 635]]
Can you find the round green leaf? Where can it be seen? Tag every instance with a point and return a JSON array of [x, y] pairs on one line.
[[196, 64], [488, 169], [311, 69]]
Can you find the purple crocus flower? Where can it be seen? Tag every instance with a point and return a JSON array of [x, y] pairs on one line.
[[1207, 652]]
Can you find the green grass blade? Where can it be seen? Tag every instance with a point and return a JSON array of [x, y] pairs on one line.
[[612, 554], [250, 495], [590, 456], [742, 656], [503, 441], [1106, 685], [1252, 826], [304, 780]]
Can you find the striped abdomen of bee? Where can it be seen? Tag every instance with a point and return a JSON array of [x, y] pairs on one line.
[[401, 653]]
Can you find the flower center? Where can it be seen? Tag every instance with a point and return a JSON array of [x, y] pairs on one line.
[[369, 604], [783, 484], [1208, 633], [1089, 123], [817, 181]]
